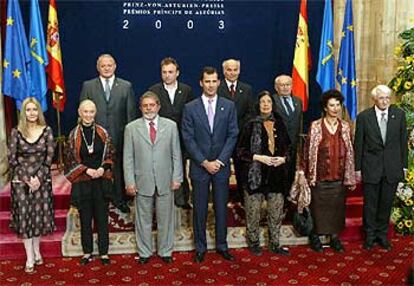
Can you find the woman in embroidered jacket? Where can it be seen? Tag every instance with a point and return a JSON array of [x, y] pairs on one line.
[[88, 166], [328, 163], [31, 151], [263, 149]]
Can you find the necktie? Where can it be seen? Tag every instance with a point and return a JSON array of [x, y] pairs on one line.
[[289, 110], [383, 126], [232, 90], [107, 89], [153, 132], [210, 114]]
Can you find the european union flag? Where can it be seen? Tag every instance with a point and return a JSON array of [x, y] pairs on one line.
[[16, 80], [39, 59], [326, 65], [346, 74]]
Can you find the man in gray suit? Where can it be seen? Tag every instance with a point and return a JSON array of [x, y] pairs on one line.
[[115, 102], [381, 160], [153, 171], [289, 107]]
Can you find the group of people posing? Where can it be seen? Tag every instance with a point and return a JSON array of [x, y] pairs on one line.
[[111, 155]]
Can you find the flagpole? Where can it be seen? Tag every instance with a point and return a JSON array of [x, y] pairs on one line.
[[60, 140]]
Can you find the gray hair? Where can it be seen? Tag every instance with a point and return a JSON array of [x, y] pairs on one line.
[[149, 94], [381, 88]]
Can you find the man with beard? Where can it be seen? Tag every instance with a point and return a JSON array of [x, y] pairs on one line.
[[153, 171]]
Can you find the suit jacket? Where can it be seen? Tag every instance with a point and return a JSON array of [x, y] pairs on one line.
[[117, 112], [174, 111], [148, 166], [374, 158], [293, 121], [243, 100], [201, 144]]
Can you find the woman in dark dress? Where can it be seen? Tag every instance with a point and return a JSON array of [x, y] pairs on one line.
[[328, 163], [263, 149], [88, 166], [31, 152]]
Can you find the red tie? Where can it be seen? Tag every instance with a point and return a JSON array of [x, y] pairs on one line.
[[232, 90], [153, 132]]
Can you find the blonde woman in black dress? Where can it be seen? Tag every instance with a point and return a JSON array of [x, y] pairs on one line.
[[31, 152]]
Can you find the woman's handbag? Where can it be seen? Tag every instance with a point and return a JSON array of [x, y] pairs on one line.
[[303, 222]]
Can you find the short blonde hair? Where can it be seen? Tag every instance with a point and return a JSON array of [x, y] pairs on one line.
[[22, 125]]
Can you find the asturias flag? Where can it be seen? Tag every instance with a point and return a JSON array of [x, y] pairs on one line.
[[326, 65], [346, 74], [16, 78], [38, 52], [301, 61], [55, 68]]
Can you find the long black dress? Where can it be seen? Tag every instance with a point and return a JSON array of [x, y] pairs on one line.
[[32, 212]]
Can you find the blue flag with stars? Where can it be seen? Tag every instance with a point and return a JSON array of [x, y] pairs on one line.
[[326, 64], [16, 80], [346, 74], [39, 59]]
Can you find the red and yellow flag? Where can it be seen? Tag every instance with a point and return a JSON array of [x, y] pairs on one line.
[[302, 58], [55, 68]]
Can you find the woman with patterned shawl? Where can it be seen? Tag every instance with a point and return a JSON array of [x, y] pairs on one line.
[[263, 150], [89, 160], [328, 163]]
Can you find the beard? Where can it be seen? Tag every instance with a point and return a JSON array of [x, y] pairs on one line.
[[150, 115]]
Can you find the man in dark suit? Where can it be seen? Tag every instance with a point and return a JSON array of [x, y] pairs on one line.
[[381, 161], [242, 96], [116, 107], [289, 107], [173, 96], [209, 129]]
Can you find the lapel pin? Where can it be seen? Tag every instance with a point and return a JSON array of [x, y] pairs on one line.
[[179, 91], [221, 108], [240, 91], [392, 116]]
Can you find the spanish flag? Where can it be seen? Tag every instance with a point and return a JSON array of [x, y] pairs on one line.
[[302, 59], [55, 68]]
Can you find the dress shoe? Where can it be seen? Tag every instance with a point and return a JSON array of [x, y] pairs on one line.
[[105, 260], [225, 254], [39, 261], [337, 245], [256, 250], [315, 243], [167, 259], [124, 208], [85, 259], [279, 250], [385, 244], [199, 257], [368, 244], [143, 260]]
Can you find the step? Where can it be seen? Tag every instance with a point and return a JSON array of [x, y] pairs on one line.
[[11, 247], [61, 193], [60, 221]]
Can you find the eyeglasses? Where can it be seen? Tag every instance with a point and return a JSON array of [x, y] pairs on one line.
[[284, 84]]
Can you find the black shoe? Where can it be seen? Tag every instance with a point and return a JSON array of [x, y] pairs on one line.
[[385, 244], [105, 261], [368, 244], [124, 208], [143, 260], [167, 259], [315, 243], [279, 250], [256, 250], [199, 257], [85, 260], [337, 245], [225, 254]]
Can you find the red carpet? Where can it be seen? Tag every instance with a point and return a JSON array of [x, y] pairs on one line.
[[355, 267]]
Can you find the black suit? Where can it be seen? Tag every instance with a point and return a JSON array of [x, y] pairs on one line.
[[113, 115], [174, 111], [243, 100], [293, 123], [381, 166]]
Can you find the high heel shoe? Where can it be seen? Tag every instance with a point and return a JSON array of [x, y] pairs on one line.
[[39, 261], [85, 259], [29, 268]]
